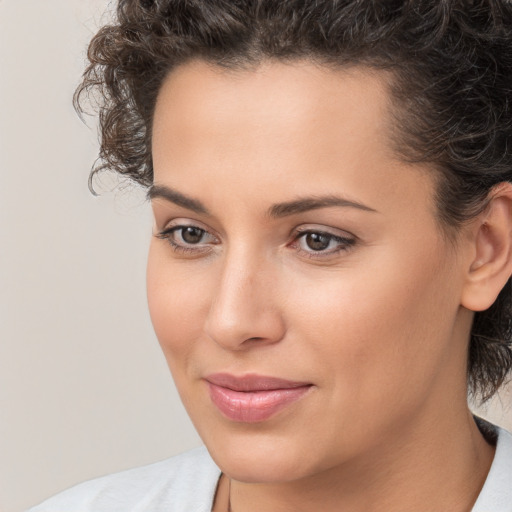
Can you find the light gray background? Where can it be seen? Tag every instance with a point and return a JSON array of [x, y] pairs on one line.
[[84, 390]]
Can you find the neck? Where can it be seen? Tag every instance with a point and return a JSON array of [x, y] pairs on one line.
[[440, 465]]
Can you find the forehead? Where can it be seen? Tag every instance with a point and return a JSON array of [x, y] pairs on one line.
[[287, 101], [279, 129]]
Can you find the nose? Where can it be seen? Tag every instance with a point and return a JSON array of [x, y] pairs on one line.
[[245, 310]]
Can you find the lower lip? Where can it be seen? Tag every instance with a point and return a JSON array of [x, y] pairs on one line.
[[253, 406]]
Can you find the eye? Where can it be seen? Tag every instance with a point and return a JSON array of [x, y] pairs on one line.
[[316, 241], [321, 243], [188, 238], [190, 234]]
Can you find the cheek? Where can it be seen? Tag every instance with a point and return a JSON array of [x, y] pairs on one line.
[[379, 324], [178, 300]]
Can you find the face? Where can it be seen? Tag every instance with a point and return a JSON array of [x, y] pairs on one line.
[[299, 283]]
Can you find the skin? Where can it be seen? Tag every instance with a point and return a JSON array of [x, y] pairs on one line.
[[377, 324]]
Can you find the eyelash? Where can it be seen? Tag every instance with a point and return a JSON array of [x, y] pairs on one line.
[[167, 235], [345, 243]]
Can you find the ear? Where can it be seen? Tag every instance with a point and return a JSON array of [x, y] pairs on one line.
[[491, 260]]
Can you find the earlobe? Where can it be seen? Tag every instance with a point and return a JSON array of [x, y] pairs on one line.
[[491, 264]]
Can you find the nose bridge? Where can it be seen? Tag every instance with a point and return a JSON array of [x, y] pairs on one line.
[[243, 307]]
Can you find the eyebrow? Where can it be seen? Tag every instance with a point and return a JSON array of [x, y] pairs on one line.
[[305, 204], [161, 191], [300, 205]]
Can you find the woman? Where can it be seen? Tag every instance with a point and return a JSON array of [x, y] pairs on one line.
[[329, 274]]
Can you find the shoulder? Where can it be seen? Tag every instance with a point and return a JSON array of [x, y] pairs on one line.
[[185, 482], [496, 494]]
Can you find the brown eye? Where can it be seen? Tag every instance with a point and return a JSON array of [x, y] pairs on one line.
[[322, 243], [192, 235], [317, 241], [188, 238]]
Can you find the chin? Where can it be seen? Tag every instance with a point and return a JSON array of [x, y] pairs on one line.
[[260, 458], [262, 470]]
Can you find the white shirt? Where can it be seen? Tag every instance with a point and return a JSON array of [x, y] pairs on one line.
[[187, 483]]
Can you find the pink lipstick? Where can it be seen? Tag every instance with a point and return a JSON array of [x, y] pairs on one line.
[[253, 398]]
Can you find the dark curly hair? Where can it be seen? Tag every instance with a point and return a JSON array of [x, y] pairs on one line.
[[452, 89]]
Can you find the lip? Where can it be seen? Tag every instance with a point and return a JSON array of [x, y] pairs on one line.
[[253, 398]]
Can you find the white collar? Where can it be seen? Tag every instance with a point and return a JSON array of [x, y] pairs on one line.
[[496, 494]]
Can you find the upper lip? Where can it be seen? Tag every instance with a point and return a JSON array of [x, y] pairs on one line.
[[252, 382]]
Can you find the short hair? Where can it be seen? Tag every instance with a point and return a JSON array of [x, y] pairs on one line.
[[450, 60]]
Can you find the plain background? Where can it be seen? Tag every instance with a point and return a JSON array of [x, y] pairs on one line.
[[84, 390]]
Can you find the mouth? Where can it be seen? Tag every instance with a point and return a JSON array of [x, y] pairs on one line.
[[253, 398]]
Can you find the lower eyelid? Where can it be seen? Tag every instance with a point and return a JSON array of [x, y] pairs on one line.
[[167, 235], [344, 244]]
